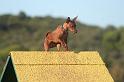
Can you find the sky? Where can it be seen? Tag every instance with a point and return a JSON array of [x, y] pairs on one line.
[[93, 12]]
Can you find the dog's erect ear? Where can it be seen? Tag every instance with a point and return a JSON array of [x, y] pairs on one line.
[[68, 20], [75, 18]]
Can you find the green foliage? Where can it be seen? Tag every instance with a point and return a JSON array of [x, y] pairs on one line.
[[22, 15], [27, 33], [111, 39]]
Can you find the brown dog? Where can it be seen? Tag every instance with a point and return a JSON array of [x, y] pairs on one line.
[[58, 37]]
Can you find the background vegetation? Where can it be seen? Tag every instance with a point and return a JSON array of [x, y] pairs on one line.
[[22, 32]]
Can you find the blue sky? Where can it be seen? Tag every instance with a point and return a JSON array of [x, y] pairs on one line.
[[94, 12]]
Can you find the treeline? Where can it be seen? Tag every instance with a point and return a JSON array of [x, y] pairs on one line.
[[22, 32]]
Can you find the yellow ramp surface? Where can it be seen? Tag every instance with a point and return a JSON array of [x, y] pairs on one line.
[[39, 66]]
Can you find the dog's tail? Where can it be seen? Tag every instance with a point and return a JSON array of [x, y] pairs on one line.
[[47, 34]]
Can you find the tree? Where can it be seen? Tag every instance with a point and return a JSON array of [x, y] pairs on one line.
[[22, 15]]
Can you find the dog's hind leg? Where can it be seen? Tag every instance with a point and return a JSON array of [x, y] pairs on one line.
[[46, 45]]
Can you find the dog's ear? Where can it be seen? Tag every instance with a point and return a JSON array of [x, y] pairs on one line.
[[68, 20], [75, 18]]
